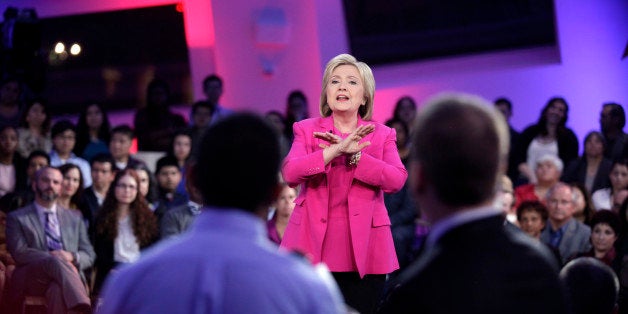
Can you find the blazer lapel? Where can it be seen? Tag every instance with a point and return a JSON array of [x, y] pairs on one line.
[[324, 125], [369, 136], [564, 245], [38, 228]]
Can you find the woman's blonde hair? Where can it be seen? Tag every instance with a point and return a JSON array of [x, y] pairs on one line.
[[366, 111]]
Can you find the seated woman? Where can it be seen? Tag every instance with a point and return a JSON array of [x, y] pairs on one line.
[[12, 165], [603, 198], [592, 169], [71, 187], [92, 132], [148, 185], [34, 130], [284, 205], [605, 230], [532, 216], [584, 206], [547, 171], [124, 226], [549, 135], [181, 150]]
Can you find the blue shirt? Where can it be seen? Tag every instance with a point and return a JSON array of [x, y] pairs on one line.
[[223, 264], [86, 170]]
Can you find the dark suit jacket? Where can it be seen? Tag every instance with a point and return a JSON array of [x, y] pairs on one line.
[[479, 267], [576, 171], [26, 240], [90, 208]]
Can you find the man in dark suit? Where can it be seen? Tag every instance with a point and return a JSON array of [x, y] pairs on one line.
[[180, 218], [50, 246], [103, 173], [471, 262]]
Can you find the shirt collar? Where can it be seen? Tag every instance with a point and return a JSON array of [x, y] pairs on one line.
[[458, 219], [42, 210]]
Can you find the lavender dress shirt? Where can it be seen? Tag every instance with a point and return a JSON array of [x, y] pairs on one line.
[[224, 264]]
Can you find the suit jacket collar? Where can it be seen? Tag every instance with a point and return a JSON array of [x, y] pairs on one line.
[[568, 233], [486, 224], [32, 215]]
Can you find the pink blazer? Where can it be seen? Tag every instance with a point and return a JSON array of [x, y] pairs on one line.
[[379, 170]]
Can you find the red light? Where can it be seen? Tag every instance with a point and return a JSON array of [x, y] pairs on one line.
[[179, 7]]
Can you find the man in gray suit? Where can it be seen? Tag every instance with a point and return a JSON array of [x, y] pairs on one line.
[[563, 231], [50, 246]]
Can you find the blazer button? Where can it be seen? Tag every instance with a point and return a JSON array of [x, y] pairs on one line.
[[323, 220]]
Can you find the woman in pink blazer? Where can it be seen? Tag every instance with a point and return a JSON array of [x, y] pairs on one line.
[[344, 163]]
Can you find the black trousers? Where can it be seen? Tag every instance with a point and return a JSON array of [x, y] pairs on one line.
[[362, 294]]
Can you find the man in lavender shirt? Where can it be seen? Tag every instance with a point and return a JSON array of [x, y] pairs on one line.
[[225, 262]]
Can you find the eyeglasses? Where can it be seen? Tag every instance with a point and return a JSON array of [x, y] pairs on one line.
[[126, 186]]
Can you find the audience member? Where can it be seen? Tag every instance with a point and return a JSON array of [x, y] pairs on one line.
[[605, 230], [71, 192], [505, 107], [227, 247], [584, 206], [345, 162], [592, 169], [622, 258], [213, 88], [92, 131], [591, 286], [12, 165], [612, 122], [181, 150], [549, 135], [403, 138], [564, 232], [34, 130], [400, 205], [49, 265], [276, 120], [296, 110], [405, 110], [455, 190], [532, 216], [7, 263], [120, 147], [10, 106], [284, 206], [63, 141], [155, 124], [124, 226], [168, 176], [35, 161], [93, 197], [547, 171], [603, 198], [505, 199], [148, 185], [179, 219], [200, 116]]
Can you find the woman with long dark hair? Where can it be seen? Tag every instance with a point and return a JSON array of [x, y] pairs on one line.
[[124, 226], [549, 135], [92, 132]]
